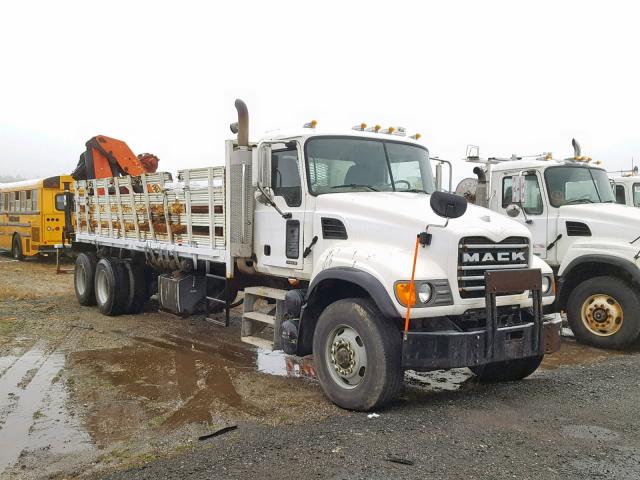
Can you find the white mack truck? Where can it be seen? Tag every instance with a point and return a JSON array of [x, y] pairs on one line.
[[321, 231], [626, 188], [592, 243]]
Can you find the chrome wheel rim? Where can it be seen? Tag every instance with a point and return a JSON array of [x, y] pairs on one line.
[[102, 287], [602, 315], [346, 357]]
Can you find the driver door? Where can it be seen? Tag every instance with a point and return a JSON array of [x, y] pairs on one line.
[[278, 241]]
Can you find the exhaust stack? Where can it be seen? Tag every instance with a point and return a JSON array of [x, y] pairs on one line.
[[481, 188], [241, 127], [577, 151]]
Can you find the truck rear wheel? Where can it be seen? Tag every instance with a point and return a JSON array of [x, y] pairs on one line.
[[16, 248], [357, 355], [604, 312], [83, 278], [138, 288], [507, 371], [111, 286]]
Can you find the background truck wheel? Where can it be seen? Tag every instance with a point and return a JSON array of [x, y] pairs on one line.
[[357, 355], [138, 289], [111, 286], [83, 278], [16, 248], [604, 312], [508, 371]]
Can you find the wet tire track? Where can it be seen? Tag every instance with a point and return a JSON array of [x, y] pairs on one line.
[[24, 385]]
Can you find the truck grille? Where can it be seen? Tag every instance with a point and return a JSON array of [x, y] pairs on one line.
[[479, 254]]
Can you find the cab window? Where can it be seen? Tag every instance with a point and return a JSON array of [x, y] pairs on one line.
[[285, 176], [60, 202], [533, 196], [620, 194], [636, 194]]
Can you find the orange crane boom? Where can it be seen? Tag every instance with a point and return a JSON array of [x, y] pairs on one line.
[[109, 157]]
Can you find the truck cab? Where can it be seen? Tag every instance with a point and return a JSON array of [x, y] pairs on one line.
[[626, 189], [591, 242]]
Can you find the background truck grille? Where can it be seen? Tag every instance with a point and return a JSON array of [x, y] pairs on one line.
[[478, 254]]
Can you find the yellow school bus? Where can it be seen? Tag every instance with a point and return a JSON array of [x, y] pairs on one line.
[[32, 216]]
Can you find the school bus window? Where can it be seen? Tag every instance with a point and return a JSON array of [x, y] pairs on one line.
[[23, 201], [34, 200], [1, 202], [28, 205], [16, 201], [60, 202]]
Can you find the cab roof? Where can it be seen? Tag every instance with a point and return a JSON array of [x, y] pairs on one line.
[[306, 133], [525, 164]]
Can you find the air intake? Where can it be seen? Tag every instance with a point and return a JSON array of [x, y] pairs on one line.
[[578, 229], [333, 229]]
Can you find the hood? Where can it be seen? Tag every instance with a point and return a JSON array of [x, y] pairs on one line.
[[609, 220], [390, 214]]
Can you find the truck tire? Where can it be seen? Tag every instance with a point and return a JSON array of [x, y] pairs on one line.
[[357, 355], [507, 371], [111, 286], [604, 312], [83, 278], [16, 248], [138, 289]]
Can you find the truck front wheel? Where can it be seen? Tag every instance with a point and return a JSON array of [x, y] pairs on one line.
[[507, 371], [357, 355], [604, 312]]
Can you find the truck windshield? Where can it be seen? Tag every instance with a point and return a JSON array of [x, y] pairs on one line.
[[571, 185], [345, 164]]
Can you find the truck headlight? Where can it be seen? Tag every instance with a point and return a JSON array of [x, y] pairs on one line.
[[424, 292], [546, 285]]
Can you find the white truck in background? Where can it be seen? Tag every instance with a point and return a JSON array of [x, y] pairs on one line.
[[592, 243], [626, 187], [342, 249]]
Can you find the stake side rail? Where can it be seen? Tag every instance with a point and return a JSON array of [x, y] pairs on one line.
[[152, 213]]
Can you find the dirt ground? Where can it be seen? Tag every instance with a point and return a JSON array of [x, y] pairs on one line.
[[84, 395]]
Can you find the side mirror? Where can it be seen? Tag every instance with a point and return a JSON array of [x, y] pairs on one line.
[[513, 210], [448, 205], [518, 189], [264, 166]]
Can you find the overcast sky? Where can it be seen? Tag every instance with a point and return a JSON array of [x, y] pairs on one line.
[[511, 77]]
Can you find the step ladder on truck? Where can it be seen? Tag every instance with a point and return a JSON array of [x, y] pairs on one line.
[[343, 249]]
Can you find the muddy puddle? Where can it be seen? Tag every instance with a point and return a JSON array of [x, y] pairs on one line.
[[170, 381]]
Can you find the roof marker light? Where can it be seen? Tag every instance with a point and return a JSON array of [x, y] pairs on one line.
[[416, 136], [311, 124], [400, 131], [360, 127], [374, 129]]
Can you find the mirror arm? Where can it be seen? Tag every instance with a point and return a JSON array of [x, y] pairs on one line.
[[527, 220], [272, 203]]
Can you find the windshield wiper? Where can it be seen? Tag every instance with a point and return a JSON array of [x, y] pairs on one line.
[[579, 200], [355, 185], [412, 190]]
